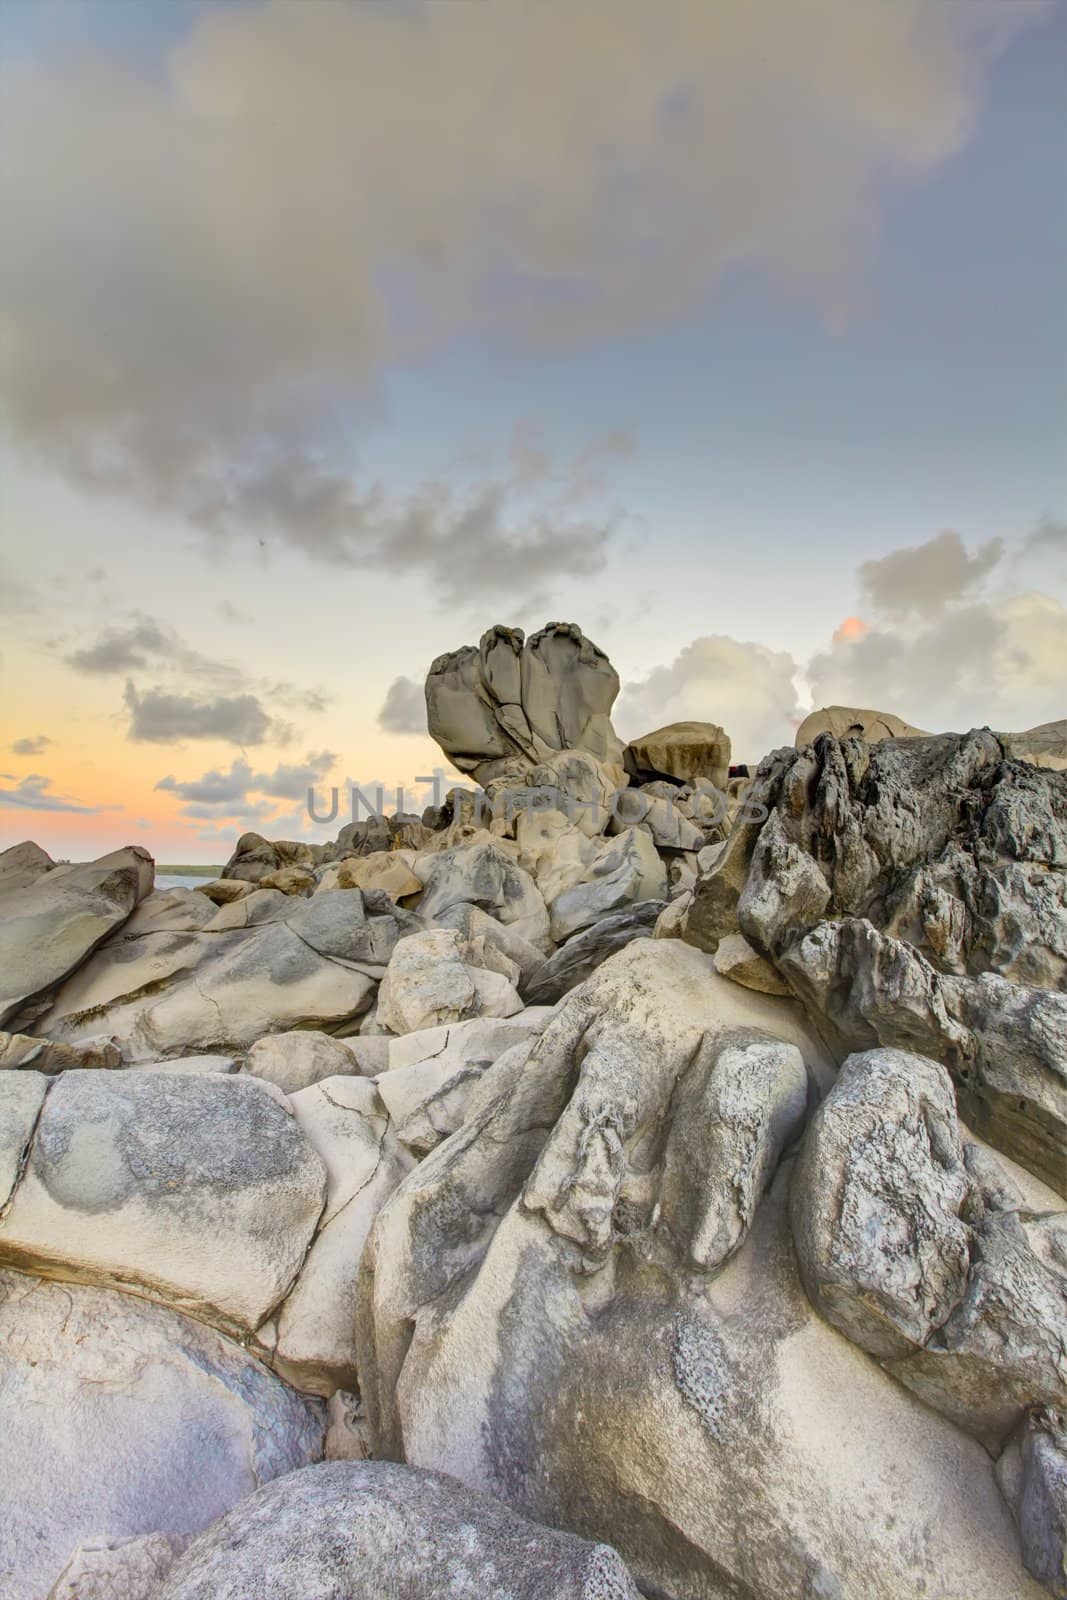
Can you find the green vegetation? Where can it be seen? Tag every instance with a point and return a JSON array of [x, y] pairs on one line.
[[198, 870]]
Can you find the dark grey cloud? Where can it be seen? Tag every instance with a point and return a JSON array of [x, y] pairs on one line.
[[225, 365], [158, 716], [32, 794], [921, 579], [230, 794], [32, 746], [404, 707], [145, 642]]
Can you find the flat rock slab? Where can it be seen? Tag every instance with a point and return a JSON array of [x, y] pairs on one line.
[[200, 1191]]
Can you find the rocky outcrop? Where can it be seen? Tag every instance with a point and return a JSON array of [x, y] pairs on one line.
[[429, 983], [120, 1417], [52, 917], [218, 988], [586, 1301], [500, 708], [579, 958], [361, 1530]]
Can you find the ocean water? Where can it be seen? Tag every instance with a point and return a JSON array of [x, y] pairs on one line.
[[179, 880]]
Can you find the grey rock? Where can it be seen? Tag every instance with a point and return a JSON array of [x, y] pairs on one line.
[[877, 1196], [200, 1191], [296, 1060], [176, 993], [501, 708], [22, 1094], [483, 875], [359, 1530], [627, 869], [428, 983], [119, 1417], [1033, 1475], [51, 923], [116, 1569], [683, 751], [1004, 1045], [584, 952]]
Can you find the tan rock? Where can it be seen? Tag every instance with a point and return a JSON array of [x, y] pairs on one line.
[[385, 869], [735, 959], [682, 750]]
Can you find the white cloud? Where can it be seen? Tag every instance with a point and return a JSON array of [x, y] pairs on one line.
[[746, 688]]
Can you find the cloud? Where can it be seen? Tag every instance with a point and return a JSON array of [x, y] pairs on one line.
[[31, 794], [404, 707], [33, 746], [746, 688], [217, 794], [146, 642], [458, 176], [922, 579], [160, 717], [949, 658]]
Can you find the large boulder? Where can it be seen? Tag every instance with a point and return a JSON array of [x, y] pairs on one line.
[[429, 983], [295, 1061], [586, 1301], [1032, 1472], [683, 751], [849, 722], [121, 1418], [52, 918], [502, 707], [908, 1249], [310, 963], [200, 1191], [351, 1530]]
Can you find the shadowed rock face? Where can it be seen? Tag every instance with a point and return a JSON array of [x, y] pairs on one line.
[[501, 708], [913, 894], [121, 1418]]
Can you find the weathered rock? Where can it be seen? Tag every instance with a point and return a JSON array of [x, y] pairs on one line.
[[360, 1530], [1044, 746], [659, 815], [258, 906], [312, 1339], [1003, 1349], [189, 1066], [486, 876], [483, 934], [296, 1060], [116, 1569], [119, 1417], [735, 959], [255, 857], [726, 1441], [172, 994], [169, 911], [428, 983], [1005, 1045], [223, 891], [22, 1094], [431, 1074], [847, 722], [582, 954], [49, 924], [627, 869], [199, 1191], [289, 880], [683, 751], [502, 708], [382, 869], [50, 1055], [22, 865], [877, 1196], [604, 1070], [1032, 1472], [723, 874]]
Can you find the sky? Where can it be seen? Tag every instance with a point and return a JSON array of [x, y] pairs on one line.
[[334, 331]]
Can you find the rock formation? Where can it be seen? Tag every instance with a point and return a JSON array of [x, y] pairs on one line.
[[625, 1178]]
